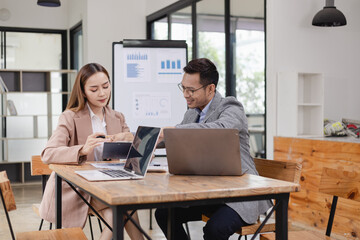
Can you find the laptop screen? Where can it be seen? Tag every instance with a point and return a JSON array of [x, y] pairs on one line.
[[142, 149]]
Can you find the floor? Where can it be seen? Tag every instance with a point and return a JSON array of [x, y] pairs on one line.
[[24, 219]]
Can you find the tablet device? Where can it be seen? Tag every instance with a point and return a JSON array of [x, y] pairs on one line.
[[137, 161], [115, 150]]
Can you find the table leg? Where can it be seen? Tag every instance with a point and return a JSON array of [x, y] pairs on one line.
[[281, 217], [118, 223], [170, 224], [58, 193]]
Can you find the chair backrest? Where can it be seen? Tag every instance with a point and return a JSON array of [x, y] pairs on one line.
[[39, 168], [340, 183], [282, 170], [7, 192]]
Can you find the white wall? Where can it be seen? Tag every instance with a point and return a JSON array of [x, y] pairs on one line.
[[155, 5], [110, 21], [27, 14], [293, 44], [103, 21], [77, 11]]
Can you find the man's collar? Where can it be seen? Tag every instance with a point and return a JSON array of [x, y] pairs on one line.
[[205, 109]]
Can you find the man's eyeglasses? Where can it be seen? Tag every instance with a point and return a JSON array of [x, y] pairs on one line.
[[189, 91]]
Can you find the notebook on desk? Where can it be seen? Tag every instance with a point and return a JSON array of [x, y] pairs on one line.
[[203, 151], [137, 161]]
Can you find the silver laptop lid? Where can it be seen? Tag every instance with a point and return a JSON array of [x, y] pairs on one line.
[[142, 149], [203, 151]]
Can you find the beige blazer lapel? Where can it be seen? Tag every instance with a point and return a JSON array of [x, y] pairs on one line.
[[83, 128]]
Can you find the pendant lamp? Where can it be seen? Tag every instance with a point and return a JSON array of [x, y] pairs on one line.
[[49, 3], [329, 16]]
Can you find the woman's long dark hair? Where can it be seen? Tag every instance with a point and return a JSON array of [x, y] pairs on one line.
[[77, 98]]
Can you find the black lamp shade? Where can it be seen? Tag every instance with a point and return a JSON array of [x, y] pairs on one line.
[[329, 16], [49, 3]]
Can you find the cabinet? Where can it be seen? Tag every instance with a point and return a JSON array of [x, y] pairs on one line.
[[309, 207], [31, 103], [300, 104]]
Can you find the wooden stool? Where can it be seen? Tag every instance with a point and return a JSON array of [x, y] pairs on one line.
[[38, 168], [7, 197]]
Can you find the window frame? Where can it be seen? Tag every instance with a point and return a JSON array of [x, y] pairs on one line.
[[75, 29], [230, 80], [64, 48], [63, 33]]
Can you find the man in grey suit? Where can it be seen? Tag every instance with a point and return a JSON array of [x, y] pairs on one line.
[[208, 109]]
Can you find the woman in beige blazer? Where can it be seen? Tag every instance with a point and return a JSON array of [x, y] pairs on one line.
[[87, 116]]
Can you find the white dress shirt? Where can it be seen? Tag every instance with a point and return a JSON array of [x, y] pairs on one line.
[[97, 126]]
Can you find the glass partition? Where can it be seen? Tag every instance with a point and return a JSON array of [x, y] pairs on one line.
[[211, 32], [33, 51], [244, 38], [247, 17], [160, 29], [181, 28]]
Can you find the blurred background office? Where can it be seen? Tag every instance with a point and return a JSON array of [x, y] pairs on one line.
[[250, 41]]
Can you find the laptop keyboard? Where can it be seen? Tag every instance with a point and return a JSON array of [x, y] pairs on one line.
[[116, 173]]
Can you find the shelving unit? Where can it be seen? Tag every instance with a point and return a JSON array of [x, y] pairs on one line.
[[39, 97], [300, 104]]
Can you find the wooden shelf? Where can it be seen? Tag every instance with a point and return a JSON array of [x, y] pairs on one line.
[[19, 173], [9, 93], [24, 138], [35, 115], [300, 104], [39, 98]]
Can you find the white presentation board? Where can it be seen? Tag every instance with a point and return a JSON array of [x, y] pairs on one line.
[[145, 78]]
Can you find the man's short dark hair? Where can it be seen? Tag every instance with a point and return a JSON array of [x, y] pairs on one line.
[[206, 68]]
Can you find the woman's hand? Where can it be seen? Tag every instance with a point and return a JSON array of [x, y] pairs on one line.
[[123, 136], [93, 141]]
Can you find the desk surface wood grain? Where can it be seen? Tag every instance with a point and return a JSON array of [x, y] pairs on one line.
[[164, 187]]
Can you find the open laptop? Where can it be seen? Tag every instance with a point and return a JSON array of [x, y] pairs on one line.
[[137, 161], [203, 151]]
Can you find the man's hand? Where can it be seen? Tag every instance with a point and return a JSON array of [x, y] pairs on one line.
[[161, 135]]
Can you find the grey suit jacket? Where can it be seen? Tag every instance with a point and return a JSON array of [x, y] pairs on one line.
[[229, 113]]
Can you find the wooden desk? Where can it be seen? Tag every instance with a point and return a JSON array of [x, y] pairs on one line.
[[159, 190]]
